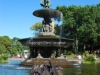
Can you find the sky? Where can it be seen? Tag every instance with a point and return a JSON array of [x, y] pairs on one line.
[[16, 15]]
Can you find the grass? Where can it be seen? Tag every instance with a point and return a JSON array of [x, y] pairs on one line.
[[70, 56], [88, 62], [3, 61]]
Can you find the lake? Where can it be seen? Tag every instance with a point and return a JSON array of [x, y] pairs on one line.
[[13, 68], [83, 69]]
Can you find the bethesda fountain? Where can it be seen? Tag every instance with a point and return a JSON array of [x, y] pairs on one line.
[[47, 46]]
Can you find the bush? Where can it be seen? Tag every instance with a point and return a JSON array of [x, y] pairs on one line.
[[90, 58], [70, 56], [3, 57]]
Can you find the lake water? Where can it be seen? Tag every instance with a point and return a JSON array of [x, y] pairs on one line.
[[13, 68], [83, 69]]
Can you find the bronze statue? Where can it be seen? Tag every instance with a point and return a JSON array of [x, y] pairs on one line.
[[45, 3], [44, 69]]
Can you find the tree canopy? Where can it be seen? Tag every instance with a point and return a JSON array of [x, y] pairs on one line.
[[11, 46], [82, 23], [37, 26]]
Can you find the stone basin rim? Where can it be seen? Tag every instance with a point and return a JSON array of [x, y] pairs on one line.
[[52, 13], [55, 38]]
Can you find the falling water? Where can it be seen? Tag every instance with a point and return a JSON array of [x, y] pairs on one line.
[[60, 37], [61, 17]]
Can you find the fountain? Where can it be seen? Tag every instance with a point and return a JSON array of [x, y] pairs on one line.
[[42, 48]]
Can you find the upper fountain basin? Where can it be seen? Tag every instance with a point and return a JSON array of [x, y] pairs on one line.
[[50, 13]]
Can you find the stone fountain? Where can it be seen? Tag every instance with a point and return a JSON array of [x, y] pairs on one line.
[[42, 48]]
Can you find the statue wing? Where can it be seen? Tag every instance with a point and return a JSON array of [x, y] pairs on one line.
[[42, 3]]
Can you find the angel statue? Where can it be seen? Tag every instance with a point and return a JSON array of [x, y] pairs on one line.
[[45, 3]]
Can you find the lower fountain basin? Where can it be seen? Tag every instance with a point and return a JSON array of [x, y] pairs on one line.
[[47, 42]]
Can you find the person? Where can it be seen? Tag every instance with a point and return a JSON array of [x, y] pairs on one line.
[[18, 55], [25, 56], [79, 57]]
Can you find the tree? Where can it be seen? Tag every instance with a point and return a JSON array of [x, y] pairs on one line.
[[2, 49], [82, 23], [6, 42], [36, 27], [17, 47]]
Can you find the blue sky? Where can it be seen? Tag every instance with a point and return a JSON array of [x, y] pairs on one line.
[[16, 15]]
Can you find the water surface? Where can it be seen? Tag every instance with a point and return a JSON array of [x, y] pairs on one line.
[[13, 68], [83, 69]]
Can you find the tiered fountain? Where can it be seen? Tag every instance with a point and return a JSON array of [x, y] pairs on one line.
[[47, 46]]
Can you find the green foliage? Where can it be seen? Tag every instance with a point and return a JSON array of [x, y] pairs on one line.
[[37, 26], [69, 52], [86, 52], [70, 56], [6, 43], [57, 36], [5, 46], [65, 52], [11, 46], [90, 58], [59, 52], [57, 30], [3, 57], [2, 49], [17, 47], [82, 23], [55, 52], [14, 51]]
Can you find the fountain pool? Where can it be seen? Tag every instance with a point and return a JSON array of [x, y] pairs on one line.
[[13, 68]]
